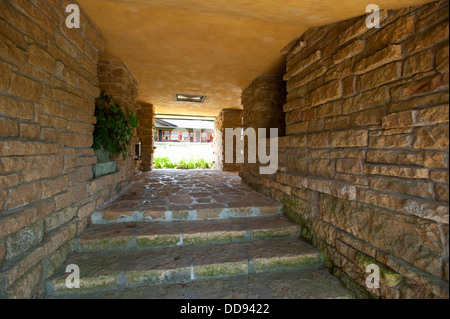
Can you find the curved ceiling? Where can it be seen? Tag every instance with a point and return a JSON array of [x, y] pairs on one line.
[[209, 47]]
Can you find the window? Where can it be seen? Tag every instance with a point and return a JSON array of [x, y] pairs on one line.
[[185, 136], [174, 135], [203, 137], [190, 98], [166, 135]]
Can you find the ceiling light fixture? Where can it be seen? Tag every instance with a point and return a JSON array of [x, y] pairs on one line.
[[190, 98]]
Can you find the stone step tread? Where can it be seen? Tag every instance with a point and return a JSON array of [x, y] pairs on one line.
[[143, 235], [310, 283], [194, 212], [185, 263]]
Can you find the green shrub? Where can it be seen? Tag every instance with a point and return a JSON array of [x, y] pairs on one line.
[[114, 126], [163, 162], [189, 163]]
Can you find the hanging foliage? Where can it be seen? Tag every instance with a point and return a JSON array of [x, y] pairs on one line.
[[114, 127]]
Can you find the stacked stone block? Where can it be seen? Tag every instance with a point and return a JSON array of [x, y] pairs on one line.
[[146, 132], [262, 103], [227, 118], [364, 165]]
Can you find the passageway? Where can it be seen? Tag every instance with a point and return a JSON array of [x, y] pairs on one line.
[[356, 95]]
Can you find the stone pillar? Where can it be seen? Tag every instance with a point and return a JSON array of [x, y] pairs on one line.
[[146, 131], [116, 79], [262, 103], [227, 118]]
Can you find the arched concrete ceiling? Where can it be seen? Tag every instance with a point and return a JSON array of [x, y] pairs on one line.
[[209, 47]]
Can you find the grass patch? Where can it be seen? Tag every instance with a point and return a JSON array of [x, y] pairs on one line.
[[188, 163]]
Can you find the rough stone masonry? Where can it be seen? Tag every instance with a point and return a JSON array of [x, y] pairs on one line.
[[48, 85], [364, 163]]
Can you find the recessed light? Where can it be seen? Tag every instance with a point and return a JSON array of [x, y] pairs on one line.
[[190, 98]]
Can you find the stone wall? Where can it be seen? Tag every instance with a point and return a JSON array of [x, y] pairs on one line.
[[48, 87], [364, 165], [146, 132], [115, 79], [227, 118]]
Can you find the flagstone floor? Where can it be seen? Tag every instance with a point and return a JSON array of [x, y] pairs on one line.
[[186, 194]]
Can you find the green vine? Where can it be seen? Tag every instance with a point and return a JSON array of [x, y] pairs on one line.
[[114, 127]]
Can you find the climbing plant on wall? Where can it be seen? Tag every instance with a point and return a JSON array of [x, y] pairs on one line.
[[114, 127]]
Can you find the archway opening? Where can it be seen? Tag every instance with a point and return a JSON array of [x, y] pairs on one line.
[[183, 143]]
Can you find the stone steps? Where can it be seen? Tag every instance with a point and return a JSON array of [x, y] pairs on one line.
[[142, 235], [308, 283], [118, 269], [117, 213], [195, 231], [193, 234]]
